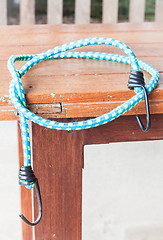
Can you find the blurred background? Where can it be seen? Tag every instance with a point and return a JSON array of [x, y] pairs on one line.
[[68, 11]]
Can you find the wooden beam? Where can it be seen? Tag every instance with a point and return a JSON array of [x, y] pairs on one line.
[[110, 11], [58, 162], [55, 12], [137, 11], [26, 196], [27, 12], [82, 87], [125, 129], [82, 11], [3, 12], [159, 11]]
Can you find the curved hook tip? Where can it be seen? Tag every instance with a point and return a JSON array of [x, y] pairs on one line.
[[144, 129], [148, 118], [39, 207]]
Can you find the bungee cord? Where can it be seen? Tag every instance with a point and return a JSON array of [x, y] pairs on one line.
[[17, 95]]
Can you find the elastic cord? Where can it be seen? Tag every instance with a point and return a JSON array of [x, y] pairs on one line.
[[17, 94]]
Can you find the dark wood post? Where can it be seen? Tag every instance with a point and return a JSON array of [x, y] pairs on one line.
[[26, 196], [58, 161]]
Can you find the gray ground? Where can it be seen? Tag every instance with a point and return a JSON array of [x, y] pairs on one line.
[[122, 190], [10, 228]]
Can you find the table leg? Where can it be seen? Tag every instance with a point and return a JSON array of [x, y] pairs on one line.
[[26, 196], [58, 161]]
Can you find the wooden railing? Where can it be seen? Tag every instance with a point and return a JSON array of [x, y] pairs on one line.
[[82, 11]]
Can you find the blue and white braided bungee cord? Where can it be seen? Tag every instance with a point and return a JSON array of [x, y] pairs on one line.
[[17, 95]]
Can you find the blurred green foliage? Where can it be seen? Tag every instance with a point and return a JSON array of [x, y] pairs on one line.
[[123, 10], [68, 8], [150, 10], [96, 8], [41, 6]]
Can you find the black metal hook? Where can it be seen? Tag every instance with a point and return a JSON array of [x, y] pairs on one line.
[[27, 177], [137, 80], [148, 117], [39, 209]]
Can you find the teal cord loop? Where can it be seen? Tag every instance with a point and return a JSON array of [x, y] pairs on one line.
[[17, 94]]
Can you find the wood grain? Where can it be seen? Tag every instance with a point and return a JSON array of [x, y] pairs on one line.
[[58, 161], [52, 37], [84, 89], [98, 85], [125, 129], [26, 196], [71, 28]]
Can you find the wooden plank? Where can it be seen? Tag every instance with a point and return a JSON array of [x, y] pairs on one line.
[[89, 109], [58, 161], [79, 91], [125, 129], [110, 11], [62, 161], [82, 11], [55, 12], [78, 83], [141, 51], [78, 29], [97, 109], [53, 38], [80, 87], [75, 70], [3, 12], [137, 11], [159, 11], [80, 100], [27, 12], [26, 196]]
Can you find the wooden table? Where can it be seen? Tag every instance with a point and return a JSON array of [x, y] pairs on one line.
[[69, 90]]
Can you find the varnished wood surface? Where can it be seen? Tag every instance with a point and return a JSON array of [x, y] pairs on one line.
[[125, 129], [83, 87], [26, 197], [58, 163]]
